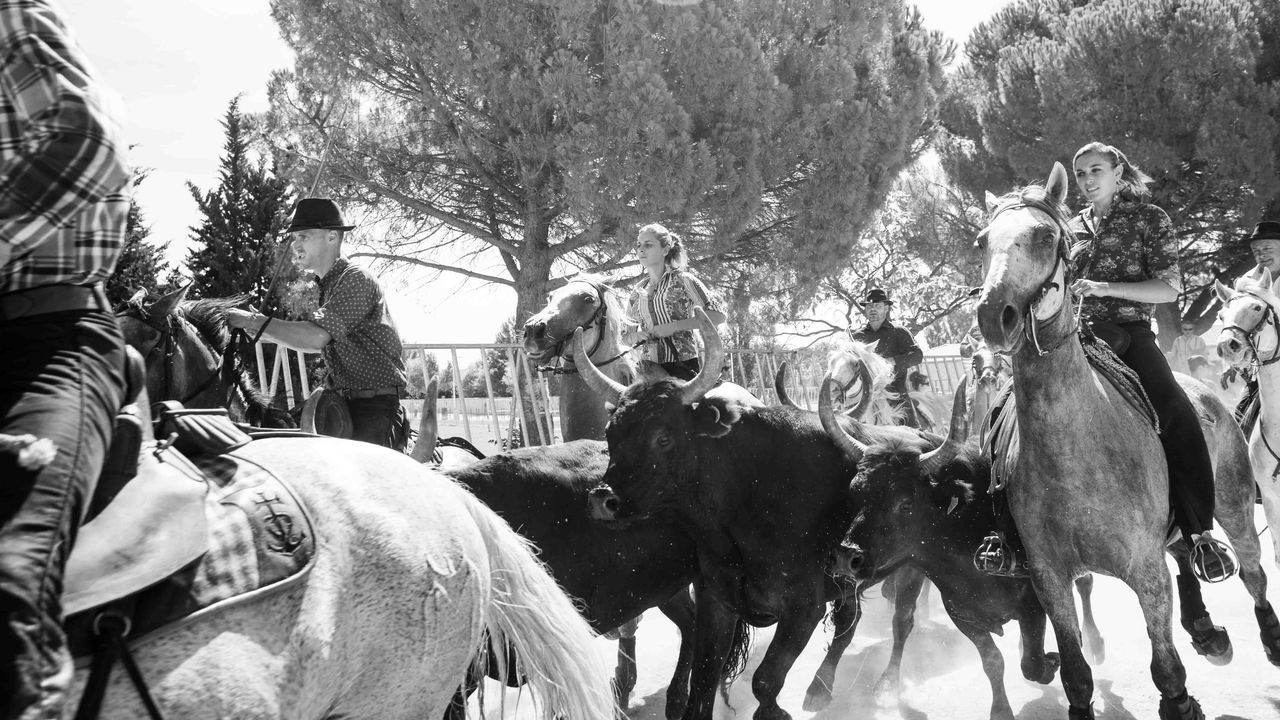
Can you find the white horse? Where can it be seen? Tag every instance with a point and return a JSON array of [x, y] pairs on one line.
[[1250, 338], [412, 579], [845, 367]]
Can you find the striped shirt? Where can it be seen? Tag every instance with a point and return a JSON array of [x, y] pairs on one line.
[[673, 298], [64, 179], [365, 352]]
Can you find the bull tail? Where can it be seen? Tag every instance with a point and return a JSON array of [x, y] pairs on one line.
[[735, 663], [530, 617]]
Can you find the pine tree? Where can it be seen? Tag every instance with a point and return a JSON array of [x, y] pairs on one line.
[[241, 237], [141, 263]]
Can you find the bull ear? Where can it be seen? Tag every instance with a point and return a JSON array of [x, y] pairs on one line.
[[1056, 186], [715, 417]]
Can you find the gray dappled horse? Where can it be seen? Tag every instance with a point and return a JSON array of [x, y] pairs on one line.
[[411, 576], [1084, 447]]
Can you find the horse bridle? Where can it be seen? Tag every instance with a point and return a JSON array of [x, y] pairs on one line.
[[1268, 318], [1061, 259], [169, 347], [597, 319]]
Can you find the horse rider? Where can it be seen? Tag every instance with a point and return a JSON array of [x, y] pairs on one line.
[[352, 329], [894, 344], [663, 303], [1125, 260], [1187, 345], [64, 200], [1264, 243]]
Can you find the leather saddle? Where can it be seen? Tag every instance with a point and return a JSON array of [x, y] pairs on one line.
[[146, 520]]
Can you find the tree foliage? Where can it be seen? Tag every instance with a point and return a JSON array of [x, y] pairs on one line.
[[545, 133], [239, 240], [918, 248], [1181, 86], [141, 263]]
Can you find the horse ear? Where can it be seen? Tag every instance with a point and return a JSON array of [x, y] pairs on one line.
[[652, 371], [992, 201], [167, 303], [1223, 292], [1056, 185], [138, 296], [1267, 279]]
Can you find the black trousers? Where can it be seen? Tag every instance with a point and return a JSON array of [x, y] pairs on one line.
[[1190, 468], [63, 379], [683, 369], [380, 420]]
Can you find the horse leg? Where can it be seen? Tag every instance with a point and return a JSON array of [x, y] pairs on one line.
[[794, 629], [846, 611], [1234, 512], [1077, 678], [1037, 665], [1167, 671], [681, 612], [910, 583], [1093, 642], [1211, 641], [714, 633]]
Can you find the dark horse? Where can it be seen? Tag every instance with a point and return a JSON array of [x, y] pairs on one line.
[[190, 356]]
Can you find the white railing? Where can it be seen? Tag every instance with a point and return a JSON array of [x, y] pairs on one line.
[[488, 419]]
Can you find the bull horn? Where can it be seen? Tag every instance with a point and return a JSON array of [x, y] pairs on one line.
[[607, 388], [780, 386], [849, 445], [712, 364], [934, 460], [864, 374], [428, 430]]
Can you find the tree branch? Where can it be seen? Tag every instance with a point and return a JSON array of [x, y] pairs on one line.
[[435, 266]]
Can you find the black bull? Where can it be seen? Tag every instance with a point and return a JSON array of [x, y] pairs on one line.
[[928, 518], [542, 493], [762, 490]]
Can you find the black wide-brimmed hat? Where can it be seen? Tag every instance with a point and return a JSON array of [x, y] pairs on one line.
[[317, 214], [876, 295], [1265, 230]]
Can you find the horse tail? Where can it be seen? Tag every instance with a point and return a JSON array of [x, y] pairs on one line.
[[735, 663], [530, 617]]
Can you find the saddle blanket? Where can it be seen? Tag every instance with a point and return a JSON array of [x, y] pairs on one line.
[[259, 536]]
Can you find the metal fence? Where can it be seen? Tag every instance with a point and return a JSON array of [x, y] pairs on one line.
[[491, 419]]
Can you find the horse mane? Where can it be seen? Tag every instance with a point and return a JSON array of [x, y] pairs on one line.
[[612, 297], [1254, 285], [209, 317]]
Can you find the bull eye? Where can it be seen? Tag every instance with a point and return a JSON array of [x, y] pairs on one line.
[[904, 507], [663, 440]]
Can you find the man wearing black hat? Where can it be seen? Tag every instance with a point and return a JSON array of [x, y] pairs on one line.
[[1264, 243], [892, 343], [352, 329]]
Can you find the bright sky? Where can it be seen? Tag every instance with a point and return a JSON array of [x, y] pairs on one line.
[[176, 65]]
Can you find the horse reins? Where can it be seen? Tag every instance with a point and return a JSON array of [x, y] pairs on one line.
[[1030, 322]]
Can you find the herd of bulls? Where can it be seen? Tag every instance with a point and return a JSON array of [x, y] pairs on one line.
[[770, 513]]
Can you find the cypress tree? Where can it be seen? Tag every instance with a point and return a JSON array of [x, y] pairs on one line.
[[141, 263], [240, 238]]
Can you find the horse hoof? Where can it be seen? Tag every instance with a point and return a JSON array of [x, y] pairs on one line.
[[1043, 671], [1084, 713], [1211, 641], [818, 696], [1097, 651], [1183, 707]]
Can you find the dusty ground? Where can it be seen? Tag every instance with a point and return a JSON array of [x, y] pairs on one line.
[[942, 679]]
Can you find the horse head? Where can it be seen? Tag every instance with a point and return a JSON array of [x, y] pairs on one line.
[[1249, 316], [858, 360], [1025, 260], [582, 302], [178, 361]]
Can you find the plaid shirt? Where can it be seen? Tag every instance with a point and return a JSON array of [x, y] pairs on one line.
[[64, 180], [674, 297]]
